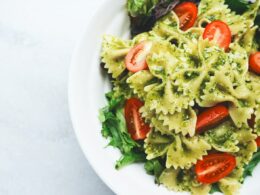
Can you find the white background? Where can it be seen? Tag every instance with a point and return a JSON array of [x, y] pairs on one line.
[[39, 153]]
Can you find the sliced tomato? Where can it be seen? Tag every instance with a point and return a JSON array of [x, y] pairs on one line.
[[258, 141], [214, 167], [135, 123], [254, 62], [218, 32], [187, 13], [211, 117], [135, 60]]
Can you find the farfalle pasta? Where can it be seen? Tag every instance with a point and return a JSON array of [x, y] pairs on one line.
[[181, 74]]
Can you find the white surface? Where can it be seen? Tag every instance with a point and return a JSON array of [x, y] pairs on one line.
[[38, 150], [86, 77]]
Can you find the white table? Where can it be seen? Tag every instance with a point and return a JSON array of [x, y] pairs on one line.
[[39, 153]]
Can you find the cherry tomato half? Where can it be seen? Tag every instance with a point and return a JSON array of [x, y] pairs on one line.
[[210, 117], [135, 123], [254, 62], [214, 167], [258, 141], [218, 32], [135, 60], [187, 13]]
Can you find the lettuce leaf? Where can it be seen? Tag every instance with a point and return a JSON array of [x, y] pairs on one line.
[[154, 167], [135, 156], [141, 7], [144, 14], [114, 128], [248, 169]]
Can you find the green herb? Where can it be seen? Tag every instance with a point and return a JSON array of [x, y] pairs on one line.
[[191, 75], [239, 6], [249, 168], [154, 167], [214, 188], [114, 128]]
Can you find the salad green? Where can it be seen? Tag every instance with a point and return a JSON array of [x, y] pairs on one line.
[[165, 80], [114, 128]]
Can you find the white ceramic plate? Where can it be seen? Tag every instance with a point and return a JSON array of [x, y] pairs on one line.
[[87, 86]]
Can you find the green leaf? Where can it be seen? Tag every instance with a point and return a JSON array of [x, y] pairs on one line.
[[154, 167], [130, 158], [114, 128], [238, 6], [149, 12], [248, 169], [214, 188], [141, 7]]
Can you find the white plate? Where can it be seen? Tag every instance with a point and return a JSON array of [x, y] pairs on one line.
[[87, 86]]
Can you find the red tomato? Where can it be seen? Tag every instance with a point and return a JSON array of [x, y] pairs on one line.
[[135, 60], [135, 124], [187, 13], [210, 117], [218, 32], [254, 62], [214, 167], [258, 141]]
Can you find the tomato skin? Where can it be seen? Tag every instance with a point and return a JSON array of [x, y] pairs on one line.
[[219, 32], [134, 122], [210, 117], [135, 60], [187, 13], [214, 167], [258, 141], [254, 62]]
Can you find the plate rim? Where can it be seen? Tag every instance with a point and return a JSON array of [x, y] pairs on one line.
[[79, 44], [103, 4]]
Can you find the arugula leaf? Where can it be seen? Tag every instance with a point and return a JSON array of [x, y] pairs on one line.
[[249, 168], [154, 167], [114, 128]]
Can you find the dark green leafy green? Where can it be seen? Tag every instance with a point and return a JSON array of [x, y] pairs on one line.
[[130, 158], [252, 164], [154, 167], [238, 6], [214, 188], [114, 128], [144, 13]]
